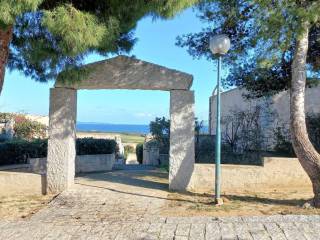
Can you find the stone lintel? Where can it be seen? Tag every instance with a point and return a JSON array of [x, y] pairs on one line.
[[124, 72]]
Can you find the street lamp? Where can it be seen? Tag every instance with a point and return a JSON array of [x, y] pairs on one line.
[[219, 46]]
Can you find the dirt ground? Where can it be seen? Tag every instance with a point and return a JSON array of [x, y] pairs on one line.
[[266, 202], [21, 205]]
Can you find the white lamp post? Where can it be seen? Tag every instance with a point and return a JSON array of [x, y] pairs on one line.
[[219, 46]]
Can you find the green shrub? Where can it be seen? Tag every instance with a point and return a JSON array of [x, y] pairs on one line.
[[139, 152], [164, 167], [27, 129], [283, 145], [18, 151], [91, 146], [313, 126]]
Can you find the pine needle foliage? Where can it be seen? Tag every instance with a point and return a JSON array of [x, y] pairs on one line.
[[54, 36], [263, 35]]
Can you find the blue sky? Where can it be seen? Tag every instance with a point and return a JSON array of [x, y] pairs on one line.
[[156, 43]]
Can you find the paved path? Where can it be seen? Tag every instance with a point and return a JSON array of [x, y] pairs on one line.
[[132, 159], [105, 206]]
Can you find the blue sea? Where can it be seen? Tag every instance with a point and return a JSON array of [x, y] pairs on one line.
[[117, 128]]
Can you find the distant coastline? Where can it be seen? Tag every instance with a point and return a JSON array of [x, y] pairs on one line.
[[118, 128], [142, 129], [112, 128]]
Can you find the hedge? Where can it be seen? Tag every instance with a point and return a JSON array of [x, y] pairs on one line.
[[91, 146], [139, 153], [18, 151]]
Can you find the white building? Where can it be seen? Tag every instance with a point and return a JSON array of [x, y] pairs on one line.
[[274, 111]]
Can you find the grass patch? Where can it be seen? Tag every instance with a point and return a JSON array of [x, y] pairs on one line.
[[269, 202], [131, 138]]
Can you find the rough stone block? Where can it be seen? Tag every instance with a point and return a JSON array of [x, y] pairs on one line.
[[61, 143], [181, 139]]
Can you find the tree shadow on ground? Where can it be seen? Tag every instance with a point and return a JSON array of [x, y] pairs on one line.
[[264, 200], [250, 198], [151, 179], [158, 180]]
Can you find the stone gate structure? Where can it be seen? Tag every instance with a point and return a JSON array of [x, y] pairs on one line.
[[121, 73]]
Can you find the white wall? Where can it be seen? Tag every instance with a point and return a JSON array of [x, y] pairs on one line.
[[278, 105]]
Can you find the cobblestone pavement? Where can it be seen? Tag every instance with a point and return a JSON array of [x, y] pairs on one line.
[[97, 209]]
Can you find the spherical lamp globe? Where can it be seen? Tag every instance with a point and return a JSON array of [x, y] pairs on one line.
[[220, 44]]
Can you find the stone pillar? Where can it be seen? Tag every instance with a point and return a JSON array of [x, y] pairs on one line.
[[182, 152], [62, 136]]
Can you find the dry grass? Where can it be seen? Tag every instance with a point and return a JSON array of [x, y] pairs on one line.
[[21, 205], [268, 202], [125, 137]]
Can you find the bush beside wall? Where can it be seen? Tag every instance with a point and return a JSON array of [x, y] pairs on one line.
[[139, 153], [92, 146], [19, 151]]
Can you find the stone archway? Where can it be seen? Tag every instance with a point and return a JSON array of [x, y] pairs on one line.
[[121, 73]]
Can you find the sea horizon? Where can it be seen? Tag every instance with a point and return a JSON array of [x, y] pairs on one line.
[[113, 127], [117, 128]]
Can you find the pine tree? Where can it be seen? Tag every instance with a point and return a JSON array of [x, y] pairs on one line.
[[274, 43], [43, 37]]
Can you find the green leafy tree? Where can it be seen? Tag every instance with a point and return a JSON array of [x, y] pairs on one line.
[[43, 37], [275, 46], [160, 130]]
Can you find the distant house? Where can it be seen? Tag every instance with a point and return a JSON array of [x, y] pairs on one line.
[[273, 111]]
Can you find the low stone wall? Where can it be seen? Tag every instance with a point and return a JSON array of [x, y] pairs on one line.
[[150, 155], [19, 183], [94, 163], [276, 173], [83, 164]]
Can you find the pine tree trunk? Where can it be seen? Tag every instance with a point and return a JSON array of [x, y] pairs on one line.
[[5, 39], [306, 153]]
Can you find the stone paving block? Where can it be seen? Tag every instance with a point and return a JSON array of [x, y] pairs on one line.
[[241, 230], [141, 227], [228, 219], [183, 229], [190, 220], [181, 238], [197, 231], [258, 231], [291, 231], [274, 231], [273, 218], [155, 228], [227, 231], [309, 230], [168, 231], [301, 218], [212, 231]]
